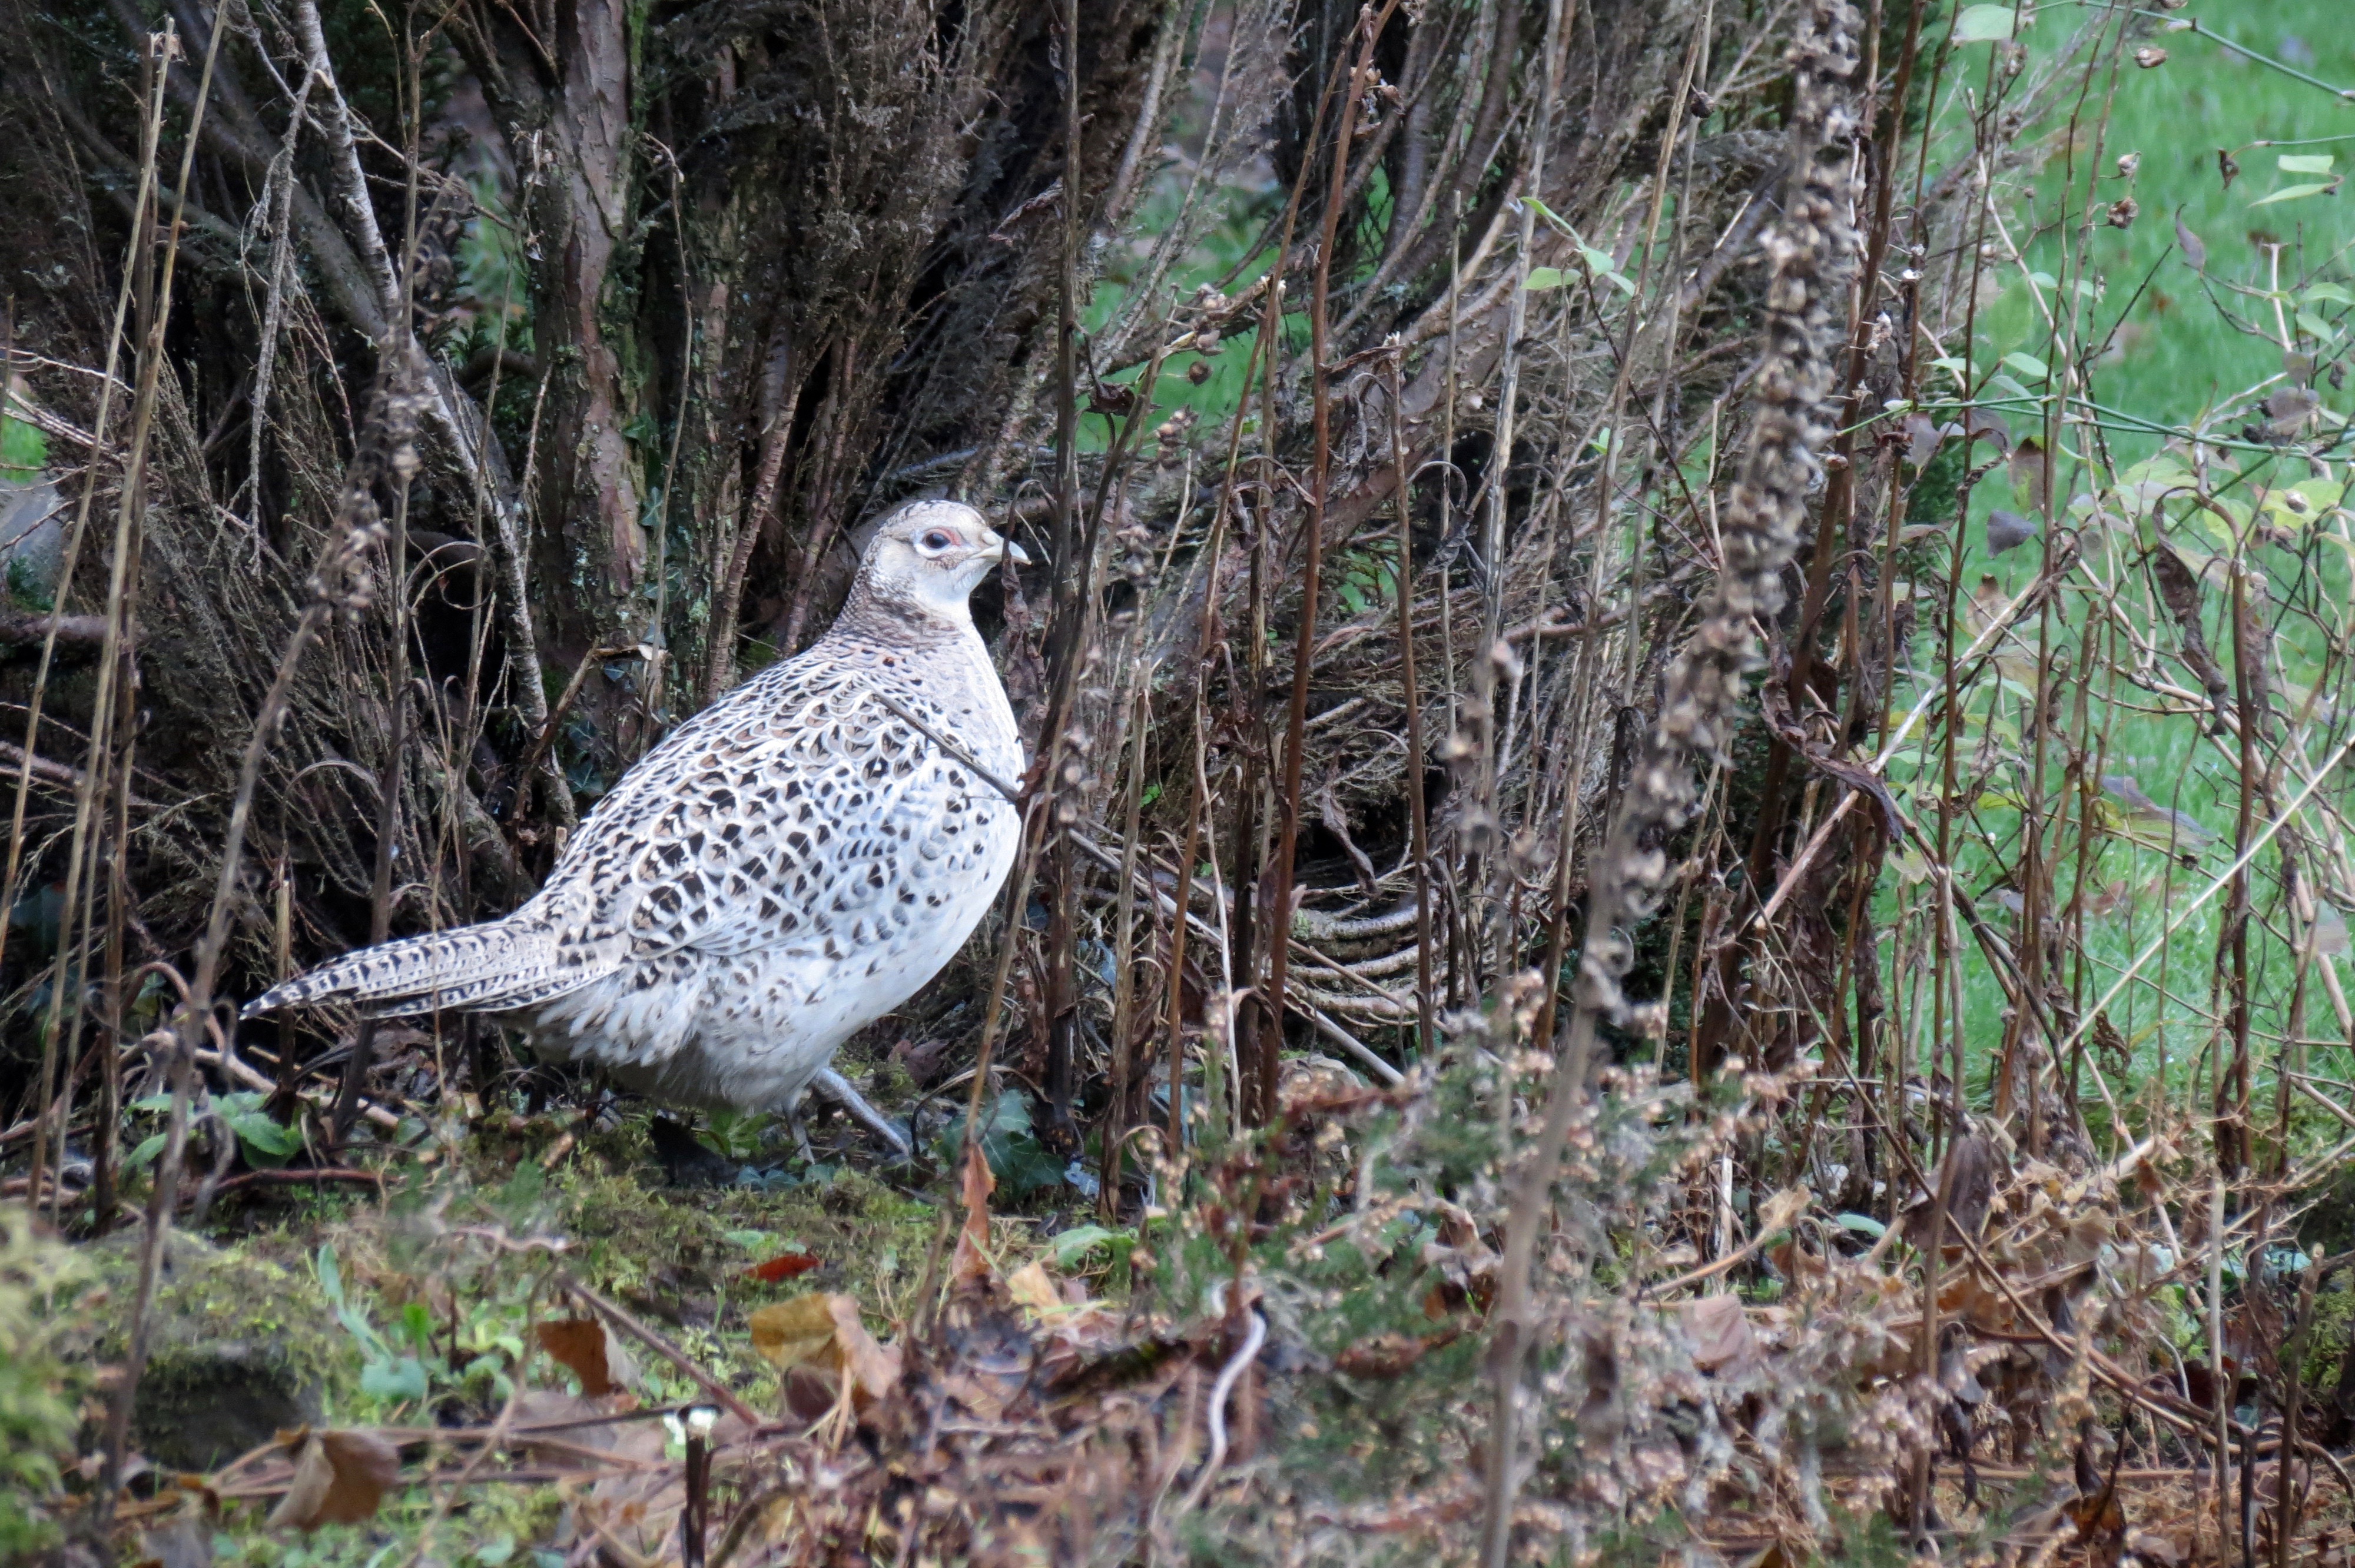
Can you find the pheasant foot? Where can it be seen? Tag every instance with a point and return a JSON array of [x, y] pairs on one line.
[[837, 1087]]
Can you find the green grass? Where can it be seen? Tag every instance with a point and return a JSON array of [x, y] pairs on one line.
[[2181, 344], [24, 451], [2177, 354]]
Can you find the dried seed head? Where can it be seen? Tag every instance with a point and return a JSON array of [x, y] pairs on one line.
[[1810, 251]]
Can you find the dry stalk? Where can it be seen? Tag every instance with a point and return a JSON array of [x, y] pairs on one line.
[[1810, 252]]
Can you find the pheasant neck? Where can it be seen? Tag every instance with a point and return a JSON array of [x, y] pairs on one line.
[[890, 616]]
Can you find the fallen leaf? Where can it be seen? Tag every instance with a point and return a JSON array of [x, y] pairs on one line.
[[789, 1333], [1722, 1336], [1779, 1211], [586, 1348], [783, 1267], [1030, 1286], [339, 1478], [971, 1261], [1390, 1354], [821, 1332], [558, 1426]]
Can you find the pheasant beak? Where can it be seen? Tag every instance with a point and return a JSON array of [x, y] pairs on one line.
[[1006, 548]]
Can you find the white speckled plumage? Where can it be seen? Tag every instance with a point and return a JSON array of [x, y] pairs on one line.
[[787, 867]]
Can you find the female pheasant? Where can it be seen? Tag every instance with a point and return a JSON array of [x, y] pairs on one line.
[[788, 866]]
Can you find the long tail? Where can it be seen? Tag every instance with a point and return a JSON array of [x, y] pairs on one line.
[[499, 964]]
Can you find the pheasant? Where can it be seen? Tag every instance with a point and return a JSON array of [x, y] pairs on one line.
[[785, 868]]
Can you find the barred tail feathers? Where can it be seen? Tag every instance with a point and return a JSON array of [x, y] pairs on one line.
[[472, 967]]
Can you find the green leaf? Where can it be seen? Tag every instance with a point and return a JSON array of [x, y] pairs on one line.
[[2315, 326], [398, 1379], [1550, 215], [266, 1142], [2304, 163], [1543, 277], [1862, 1224], [2027, 364], [2293, 192], [1075, 1243], [2004, 384], [1983, 24], [148, 1149], [2331, 292]]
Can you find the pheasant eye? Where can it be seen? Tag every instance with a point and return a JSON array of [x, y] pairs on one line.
[[936, 541]]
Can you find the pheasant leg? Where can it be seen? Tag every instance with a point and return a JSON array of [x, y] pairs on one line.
[[837, 1087]]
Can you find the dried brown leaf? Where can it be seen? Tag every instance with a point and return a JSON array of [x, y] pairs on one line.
[[822, 1332], [1921, 438], [586, 1348], [2179, 589], [971, 1261], [1722, 1339], [339, 1478], [1029, 1287], [2031, 475]]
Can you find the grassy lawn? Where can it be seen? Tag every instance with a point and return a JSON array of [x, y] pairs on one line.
[[2173, 343]]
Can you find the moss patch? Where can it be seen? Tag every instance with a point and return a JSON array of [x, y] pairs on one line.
[[242, 1343], [2327, 1337], [685, 1260]]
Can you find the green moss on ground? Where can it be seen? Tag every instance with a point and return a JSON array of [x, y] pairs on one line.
[[41, 1389], [337, 1312], [2327, 1334], [240, 1343], [682, 1258]]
